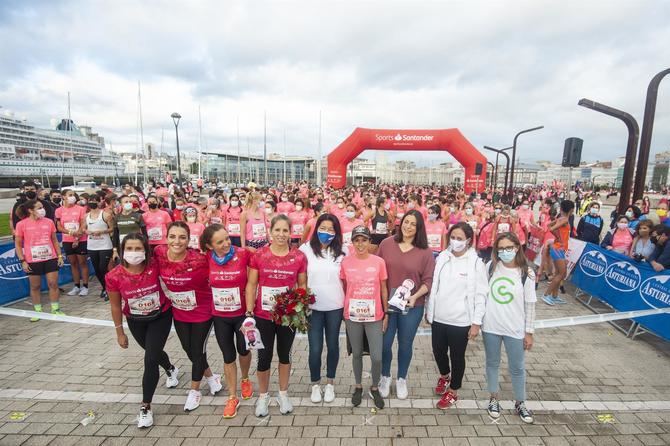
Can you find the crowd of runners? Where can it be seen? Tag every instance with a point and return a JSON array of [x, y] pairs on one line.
[[204, 257]]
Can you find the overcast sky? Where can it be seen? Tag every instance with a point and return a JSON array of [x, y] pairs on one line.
[[489, 68]]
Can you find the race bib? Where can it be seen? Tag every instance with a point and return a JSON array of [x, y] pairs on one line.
[[41, 253], [298, 229], [234, 228], [434, 240], [141, 306], [258, 230], [473, 224], [121, 237], [194, 242], [71, 226], [155, 234], [362, 310], [346, 238], [268, 296], [181, 300], [503, 227], [95, 236], [215, 220], [381, 228], [226, 299]]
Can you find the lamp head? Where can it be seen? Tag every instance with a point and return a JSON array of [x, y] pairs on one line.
[[175, 117]]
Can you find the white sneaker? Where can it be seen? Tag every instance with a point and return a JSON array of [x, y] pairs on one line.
[[285, 405], [385, 386], [262, 404], [172, 379], [192, 400], [316, 394], [329, 394], [74, 291], [214, 383], [83, 291], [401, 388], [146, 418]]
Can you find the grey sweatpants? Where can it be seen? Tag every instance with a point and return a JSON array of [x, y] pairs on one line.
[[373, 331]]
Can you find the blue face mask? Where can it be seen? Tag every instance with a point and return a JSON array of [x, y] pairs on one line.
[[225, 259], [506, 257], [325, 238]]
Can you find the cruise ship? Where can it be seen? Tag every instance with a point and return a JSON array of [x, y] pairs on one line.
[[67, 150]]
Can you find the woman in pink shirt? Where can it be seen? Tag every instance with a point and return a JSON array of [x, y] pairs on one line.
[[184, 275], [214, 213], [135, 292], [285, 206], [318, 209], [364, 277], [38, 251], [195, 228], [228, 278], [414, 202], [299, 219], [436, 231], [70, 221], [156, 222], [253, 224], [348, 223], [231, 220], [619, 239], [273, 270]]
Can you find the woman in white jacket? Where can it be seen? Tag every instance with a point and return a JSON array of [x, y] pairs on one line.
[[455, 309]]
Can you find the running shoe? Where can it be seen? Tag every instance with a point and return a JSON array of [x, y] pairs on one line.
[[172, 379], [494, 408], [447, 400], [58, 312], [262, 404], [523, 412], [357, 397], [35, 318], [83, 291], [104, 296], [549, 300], [74, 291], [377, 398], [385, 386], [559, 300], [401, 388], [146, 418], [316, 394], [442, 384], [285, 405], [247, 389], [329, 394], [214, 383], [230, 409], [192, 400]]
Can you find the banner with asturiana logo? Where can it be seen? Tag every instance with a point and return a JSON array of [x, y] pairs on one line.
[[625, 284]]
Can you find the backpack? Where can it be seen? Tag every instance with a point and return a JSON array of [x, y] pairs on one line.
[[524, 274]]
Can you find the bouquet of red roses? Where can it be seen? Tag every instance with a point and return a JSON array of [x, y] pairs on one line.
[[292, 309]]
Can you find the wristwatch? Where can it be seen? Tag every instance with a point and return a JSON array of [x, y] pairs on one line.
[[249, 314]]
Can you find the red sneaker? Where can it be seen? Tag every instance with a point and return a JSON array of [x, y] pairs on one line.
[[442, 384], [447, 400], [247, 389]]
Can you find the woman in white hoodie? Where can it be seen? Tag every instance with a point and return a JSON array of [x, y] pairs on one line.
[[455, 309]]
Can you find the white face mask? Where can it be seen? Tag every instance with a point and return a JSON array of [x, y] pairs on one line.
[[452, 209], [457, 245], [41, 213], [340, 205], [71, 199], [284, 199], [298, 208], [410, 205], [268, 211], [622, 225], [350, 214], [432, 217], [234, 203], [191, 219], [468, 211], [134, 257], [127, 206]]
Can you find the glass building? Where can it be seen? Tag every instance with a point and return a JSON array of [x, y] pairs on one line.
[[231, 168]]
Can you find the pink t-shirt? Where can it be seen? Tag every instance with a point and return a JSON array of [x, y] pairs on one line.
[[275, 275], [298, 222], [285, 207], [435, 230], [195, 230], [70, 218], [347, 227], [622, 241], [228, 283], [362, 299], [215, 217], [141, 293], [186, 285], [156, 223], [36, 235], [233, 215], [256, 227]]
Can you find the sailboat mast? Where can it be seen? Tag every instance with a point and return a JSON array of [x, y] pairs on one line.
[[199, 144], [144, 155], [69, 124], [239, 178]]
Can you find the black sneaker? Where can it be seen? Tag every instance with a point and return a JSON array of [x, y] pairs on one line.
[[104, 295], [494, 408], [357, 397], [377, 397], [523, 412]]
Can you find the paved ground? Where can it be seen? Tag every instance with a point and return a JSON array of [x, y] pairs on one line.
[[587, 384]]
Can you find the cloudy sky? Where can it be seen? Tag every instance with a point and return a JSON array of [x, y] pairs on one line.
[[489, 68]]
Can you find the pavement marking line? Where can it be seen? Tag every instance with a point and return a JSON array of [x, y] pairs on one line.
[[545, 323], [547, 406]]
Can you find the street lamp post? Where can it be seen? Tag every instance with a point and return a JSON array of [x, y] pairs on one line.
[[507, 161], [175, 118], [493, 169], [511, 183]]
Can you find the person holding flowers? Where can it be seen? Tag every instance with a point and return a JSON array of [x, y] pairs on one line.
[[273, 270]]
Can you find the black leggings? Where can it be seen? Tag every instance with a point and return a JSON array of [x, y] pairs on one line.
[[228, 335], [100, 260], [449, 342], [269, 330], [193, 337], [152, 336]]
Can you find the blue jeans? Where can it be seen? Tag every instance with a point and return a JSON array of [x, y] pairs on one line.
[[406, 327], [321, 322], [515, 360]]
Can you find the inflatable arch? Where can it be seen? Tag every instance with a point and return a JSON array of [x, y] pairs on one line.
[[450, 140]]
